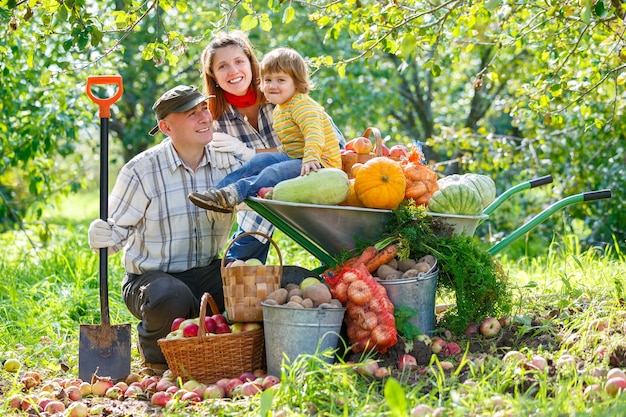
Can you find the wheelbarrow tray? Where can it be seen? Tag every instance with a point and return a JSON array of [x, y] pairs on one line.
[[323, 230]]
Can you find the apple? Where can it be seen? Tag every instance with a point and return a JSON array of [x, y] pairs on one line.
[[472, 330], [28, 383], [253, 262], [452, 348], [566, 361], [385, 151], [514, 356], [73, 393], [114, 393], [247, 327], [121, 385], [382, 372], [264, 191], [237, 262], [407, 362], [85, 389], [172, 390], [134, 391], [222, 328], [421, 410], [12, 365], [350, 145], [367, 367], [176, 323], [190, 330], [307, 282], [247, 376], [615, 372], [251, 388], [190, 385], [219, 318], [160, 398], [505, 321], [490, 327], [399, 151], [236, 327], [591, 390], [214, 391], [77, 409], [231, 385], [164, 384], [100, 387], [176, 334], [598, 325], [210, 324], [361, 145], [54, 407], [270, 381], [41, 404], [347, 151], [437, 345], [537, 362], [33, 374], [615, 386], [446, 365]]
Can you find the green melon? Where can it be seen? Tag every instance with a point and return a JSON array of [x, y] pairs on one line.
[[456, 197]]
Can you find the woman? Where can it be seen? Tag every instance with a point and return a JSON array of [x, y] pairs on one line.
[[231, 73]]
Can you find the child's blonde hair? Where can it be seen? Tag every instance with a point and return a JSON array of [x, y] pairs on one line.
[[290, 62]]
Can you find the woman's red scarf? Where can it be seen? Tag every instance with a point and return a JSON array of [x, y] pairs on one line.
[[241, 102]]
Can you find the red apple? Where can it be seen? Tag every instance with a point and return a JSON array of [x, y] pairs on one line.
[[247, 376], [615, 372], [399, 151], [214, 391], [100, 387], [407, 362], [490, 327], [270, 381], [134, 391], [537, 362], [54, 407], [223, 382], [42, 403], [421, 410], [222, 328], [472, 330], [190, 330], [73, 393], [350, 145], [615, 386], [164, 384], [219, 318], [232, 385], [172, 390], [367, 367], [160, 398], [176, 323], [191, 396], [210, 324], [264, 191], [362, 145], [251, 388], [385, 151], [437, 345], [452, 349], [591, 391]]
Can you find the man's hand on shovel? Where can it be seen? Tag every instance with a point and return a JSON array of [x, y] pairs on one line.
[[101, 234]]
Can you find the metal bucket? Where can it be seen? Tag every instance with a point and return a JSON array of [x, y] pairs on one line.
[[417, 293], [293, 331]]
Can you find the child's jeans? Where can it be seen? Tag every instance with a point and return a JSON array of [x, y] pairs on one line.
[[264, 169]]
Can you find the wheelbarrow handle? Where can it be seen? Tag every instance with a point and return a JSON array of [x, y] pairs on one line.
[[535, 182], [106, 102], [547, 212]]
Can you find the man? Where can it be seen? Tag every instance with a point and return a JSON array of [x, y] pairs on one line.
[[171, 247]]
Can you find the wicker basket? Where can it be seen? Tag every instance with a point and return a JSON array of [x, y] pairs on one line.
[[349, 159], [208, 358], [246, 286]]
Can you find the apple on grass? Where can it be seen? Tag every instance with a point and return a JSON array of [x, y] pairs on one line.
[[270, 381], [214, 391], [407, 362], [490, 327], [615, 386], [437, 345]]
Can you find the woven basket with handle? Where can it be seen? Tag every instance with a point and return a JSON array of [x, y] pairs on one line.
[[246, 286], [210, 357], [349, 159]]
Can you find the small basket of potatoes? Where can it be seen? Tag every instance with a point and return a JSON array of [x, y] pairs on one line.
[[406, 268]]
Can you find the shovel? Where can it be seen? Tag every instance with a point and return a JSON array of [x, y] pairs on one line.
[[104, 349]]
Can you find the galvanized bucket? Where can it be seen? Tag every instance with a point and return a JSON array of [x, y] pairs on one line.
[[417, 293], [293, 331]]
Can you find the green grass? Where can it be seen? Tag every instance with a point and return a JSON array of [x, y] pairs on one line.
[[48, 289]]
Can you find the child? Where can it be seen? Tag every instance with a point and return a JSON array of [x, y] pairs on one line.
[[308, 140]]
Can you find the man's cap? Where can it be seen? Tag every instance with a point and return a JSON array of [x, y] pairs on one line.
[[177, 100]]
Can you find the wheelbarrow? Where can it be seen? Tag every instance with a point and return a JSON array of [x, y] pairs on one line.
[[326, 231]]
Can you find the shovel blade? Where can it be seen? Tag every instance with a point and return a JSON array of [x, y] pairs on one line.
[[104, 350]]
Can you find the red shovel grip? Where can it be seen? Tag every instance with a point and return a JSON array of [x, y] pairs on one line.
[[105, 103]]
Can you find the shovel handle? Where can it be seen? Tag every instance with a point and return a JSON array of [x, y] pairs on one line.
[[106, 102]]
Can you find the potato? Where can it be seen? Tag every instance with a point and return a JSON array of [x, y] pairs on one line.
[[429, 259], [296, 298], [384, 270], [293, 304], [307, 303], [293, 292], [393, 263], [422, 267], [406, 264], [319, 293], [279, 295], [270, 302], [411, 273], [394, 275], [291, 286], [336, 303]]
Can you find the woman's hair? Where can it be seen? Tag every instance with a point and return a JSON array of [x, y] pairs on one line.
[[290, 62], [219, 105]]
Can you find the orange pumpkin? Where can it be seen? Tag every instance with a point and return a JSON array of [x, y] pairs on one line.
[[352, 199], [380, 183]]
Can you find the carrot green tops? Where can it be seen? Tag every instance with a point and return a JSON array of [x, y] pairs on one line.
[[306, 132]]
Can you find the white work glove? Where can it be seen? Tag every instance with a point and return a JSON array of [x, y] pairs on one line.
[[101, 234], [224, 143], [223, 160]]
